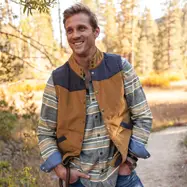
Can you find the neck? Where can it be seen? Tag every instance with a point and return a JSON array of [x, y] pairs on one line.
[[85, 60]]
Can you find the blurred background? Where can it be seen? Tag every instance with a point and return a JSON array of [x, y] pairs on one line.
[[152, 35]]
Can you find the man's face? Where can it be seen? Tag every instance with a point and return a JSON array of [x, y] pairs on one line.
[[80, 34]]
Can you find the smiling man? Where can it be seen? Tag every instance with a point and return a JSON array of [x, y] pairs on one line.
[[95, 120]]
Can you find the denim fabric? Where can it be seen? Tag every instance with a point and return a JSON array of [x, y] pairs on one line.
[[123, 181], [129, 180], [77, 184]]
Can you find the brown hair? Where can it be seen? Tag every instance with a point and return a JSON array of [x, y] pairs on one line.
[[81, 8]]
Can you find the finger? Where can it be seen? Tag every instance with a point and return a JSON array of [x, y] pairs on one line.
[[83, 175]]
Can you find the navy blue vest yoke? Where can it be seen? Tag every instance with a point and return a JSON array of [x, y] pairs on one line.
[[64, 76]]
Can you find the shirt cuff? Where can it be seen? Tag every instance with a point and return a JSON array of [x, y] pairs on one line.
[[51, 162], [138, 149]]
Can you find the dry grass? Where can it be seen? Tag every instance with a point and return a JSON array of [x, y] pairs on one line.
[[161, 80], [23, 87]]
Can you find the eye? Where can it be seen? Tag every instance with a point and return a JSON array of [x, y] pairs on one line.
[[82, 28], [69, 31]]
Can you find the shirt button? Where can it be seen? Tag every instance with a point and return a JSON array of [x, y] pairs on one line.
[[98, 135], [96, 92], [101, 153], [92, 73]]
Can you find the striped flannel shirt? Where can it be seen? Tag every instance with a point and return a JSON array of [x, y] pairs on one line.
[[97, 148]]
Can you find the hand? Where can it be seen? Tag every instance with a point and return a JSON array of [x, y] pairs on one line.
[[75, 175], [60, 171], [124, 169]]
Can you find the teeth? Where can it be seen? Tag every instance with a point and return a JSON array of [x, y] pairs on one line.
[[78, 43]]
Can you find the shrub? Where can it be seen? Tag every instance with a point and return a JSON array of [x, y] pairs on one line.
[[156, 80], [8, 117], [161, 79], [22, 87], [16, 178]]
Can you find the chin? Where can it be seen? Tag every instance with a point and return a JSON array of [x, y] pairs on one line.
[[80, 53]]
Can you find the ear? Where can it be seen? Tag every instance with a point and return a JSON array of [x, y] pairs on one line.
[[97, 32]]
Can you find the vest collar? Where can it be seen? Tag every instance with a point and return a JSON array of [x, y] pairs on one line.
[[96, 60]]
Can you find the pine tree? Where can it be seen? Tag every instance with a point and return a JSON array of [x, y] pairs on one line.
[[184, 37], [92, 4], [128, 30], [60, 22], [147, 44], [110, 27], [170, 38]]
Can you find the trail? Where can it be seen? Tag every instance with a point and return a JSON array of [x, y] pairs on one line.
[[167, 166]]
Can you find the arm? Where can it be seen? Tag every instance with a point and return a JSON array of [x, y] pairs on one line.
[[140, 113], [47, 128]]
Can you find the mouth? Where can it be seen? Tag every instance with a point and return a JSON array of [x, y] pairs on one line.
[[77, 44]]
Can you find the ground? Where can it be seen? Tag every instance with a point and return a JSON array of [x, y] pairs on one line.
[[167, 165], [168, 106]]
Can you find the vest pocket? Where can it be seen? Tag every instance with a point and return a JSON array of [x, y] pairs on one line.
[[124, 132], [64, 145], [126, 125], [61, 139]]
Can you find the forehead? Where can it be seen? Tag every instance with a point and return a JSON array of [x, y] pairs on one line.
[[77, 19]]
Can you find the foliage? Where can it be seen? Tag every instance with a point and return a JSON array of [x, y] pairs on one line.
[[29, 107], [15, 178], [170, 38], [160, 79], [10, 67], [110, 39], [24, 87], [8, 117], [38, 5]]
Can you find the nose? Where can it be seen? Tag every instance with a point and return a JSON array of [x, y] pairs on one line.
[[76, 34]]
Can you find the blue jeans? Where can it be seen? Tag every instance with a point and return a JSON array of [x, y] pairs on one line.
[[123, 181]]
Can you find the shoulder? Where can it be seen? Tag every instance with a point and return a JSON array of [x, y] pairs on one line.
[[60, 69], [112, 57], [123, 62], [60, 73]]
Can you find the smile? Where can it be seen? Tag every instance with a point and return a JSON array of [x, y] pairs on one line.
[[78, 43]]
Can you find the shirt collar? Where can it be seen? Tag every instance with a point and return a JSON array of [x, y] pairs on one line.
[[96, 60]]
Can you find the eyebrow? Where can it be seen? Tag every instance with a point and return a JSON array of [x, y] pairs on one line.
[[80, 25]]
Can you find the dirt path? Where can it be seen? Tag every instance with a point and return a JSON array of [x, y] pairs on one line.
[[166, 167]]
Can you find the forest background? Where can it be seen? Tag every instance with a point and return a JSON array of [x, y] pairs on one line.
[[29, 51]]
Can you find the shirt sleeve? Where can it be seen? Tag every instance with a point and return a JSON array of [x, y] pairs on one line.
[[141, 117], [47, 128]]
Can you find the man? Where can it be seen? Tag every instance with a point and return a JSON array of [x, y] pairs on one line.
[[95, 120]]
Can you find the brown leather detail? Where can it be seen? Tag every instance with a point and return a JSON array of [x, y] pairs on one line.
[[67, 176], [60, 182]]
